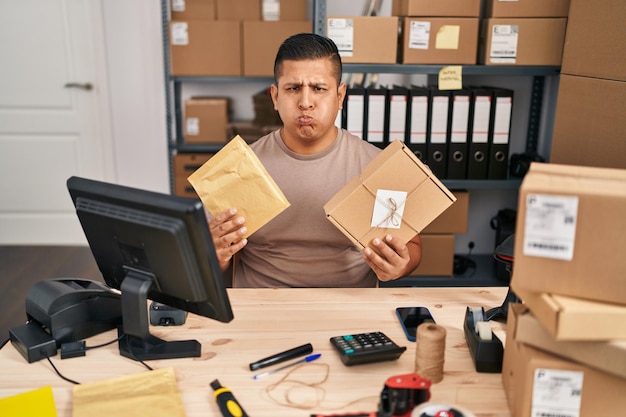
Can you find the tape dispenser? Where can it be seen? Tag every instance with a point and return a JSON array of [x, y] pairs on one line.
[[402, 393]]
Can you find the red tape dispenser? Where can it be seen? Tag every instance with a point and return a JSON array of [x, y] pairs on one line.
[[402, 393]]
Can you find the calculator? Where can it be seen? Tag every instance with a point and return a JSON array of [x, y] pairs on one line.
[[356, 349]]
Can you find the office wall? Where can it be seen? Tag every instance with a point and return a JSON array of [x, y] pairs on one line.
[[135, 76]]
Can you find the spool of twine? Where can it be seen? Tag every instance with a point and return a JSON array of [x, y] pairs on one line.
[[430, 351]]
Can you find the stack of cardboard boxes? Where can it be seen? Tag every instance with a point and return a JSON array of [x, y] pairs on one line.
[[565, 351], [231, 37], [438, 32], [438, 238], [590, 116], [530, 32], [224, 38]]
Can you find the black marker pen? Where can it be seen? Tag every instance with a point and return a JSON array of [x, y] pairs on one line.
[[226, 401], [282, 357]]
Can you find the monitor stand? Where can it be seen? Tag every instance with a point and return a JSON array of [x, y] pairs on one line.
[[135, 340]]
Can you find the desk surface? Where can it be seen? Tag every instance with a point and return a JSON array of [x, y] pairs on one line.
[[271, 320]]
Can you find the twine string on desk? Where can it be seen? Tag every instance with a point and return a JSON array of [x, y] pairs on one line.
[[289, 384], [430, 351]]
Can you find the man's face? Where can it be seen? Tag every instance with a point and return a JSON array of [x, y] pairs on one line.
[[307, 98]]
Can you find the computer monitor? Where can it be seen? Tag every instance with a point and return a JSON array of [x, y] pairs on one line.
[[152, 246]]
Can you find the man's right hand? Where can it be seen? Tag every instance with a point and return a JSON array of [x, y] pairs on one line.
[[227, 230]]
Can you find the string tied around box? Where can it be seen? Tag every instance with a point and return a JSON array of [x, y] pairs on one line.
[[393, 216], [430, 351]]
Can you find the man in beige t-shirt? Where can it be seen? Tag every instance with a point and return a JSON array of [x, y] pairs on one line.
[[310, 159]]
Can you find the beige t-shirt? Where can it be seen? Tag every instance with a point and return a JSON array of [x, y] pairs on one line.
[[301, 247]]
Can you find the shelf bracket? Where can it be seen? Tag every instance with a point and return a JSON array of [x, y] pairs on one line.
[[534, 115], [319, 13]]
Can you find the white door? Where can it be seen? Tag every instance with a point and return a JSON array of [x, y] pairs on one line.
[[53, 123]]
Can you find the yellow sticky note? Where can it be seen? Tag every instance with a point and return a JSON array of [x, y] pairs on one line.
[[448, 37], [451, 78], [39, 402]]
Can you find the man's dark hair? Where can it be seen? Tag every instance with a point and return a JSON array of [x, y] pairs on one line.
[[308, 46]]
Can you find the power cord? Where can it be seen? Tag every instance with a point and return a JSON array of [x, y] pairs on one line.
[[463, 263], [76, 349]]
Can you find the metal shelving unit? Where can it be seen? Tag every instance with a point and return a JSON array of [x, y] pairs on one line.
[[484, 268]]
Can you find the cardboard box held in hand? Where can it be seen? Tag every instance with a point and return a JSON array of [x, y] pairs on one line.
[[234, 177], [395, 194]]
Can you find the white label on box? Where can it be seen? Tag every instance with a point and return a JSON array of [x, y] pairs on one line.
[[388, 209], [271, 10], [419, 35], [550, 226], [193, 126], [180, 33], [178, 5], [503, 48], [341, 31], [557, 393]]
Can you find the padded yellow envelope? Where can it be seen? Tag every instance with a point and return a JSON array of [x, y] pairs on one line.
[[145, 394], [235, 177]]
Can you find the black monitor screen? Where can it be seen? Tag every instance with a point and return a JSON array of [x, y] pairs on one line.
[[151, 246]]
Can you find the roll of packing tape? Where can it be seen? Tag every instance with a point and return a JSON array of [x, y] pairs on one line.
[[483, 328], [440, 410]]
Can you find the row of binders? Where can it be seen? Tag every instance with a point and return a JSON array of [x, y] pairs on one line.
[[459, 134]]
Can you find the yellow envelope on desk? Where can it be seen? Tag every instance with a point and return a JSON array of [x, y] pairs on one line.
[[145, 394], [234, 177], [395, 194]]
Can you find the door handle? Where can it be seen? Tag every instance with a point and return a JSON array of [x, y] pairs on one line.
[[84, 86]]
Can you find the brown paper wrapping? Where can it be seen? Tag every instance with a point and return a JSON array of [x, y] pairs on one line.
[[395, 168], [234, 177], [144, 394]]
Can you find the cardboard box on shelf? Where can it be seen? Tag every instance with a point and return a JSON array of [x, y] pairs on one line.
[[570, 318], [527, 8], [439, 40], [529, 373], [206, 120], [264, 112], [454, 219], [396, 193], [523, 41], [192, 9], [261, 41], [184, 165], [437, 255], [596, 40], [238, 10], [578, 141], [187, 163], [606, 356], [570, 232], [451, 8], [365, 39], [195, 44], [249, 131]]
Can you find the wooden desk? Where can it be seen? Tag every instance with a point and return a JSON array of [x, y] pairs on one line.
[[268, 321]]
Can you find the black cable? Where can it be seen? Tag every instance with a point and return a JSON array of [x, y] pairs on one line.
[[60, 374], [104, 344]]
